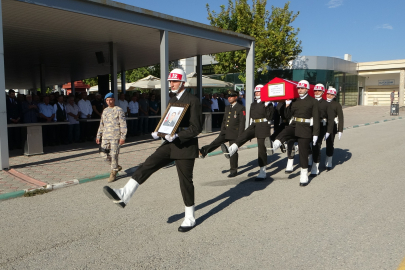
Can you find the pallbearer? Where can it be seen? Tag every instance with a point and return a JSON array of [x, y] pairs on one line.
[[261, 114], [325, 117], [233, 124], [182, 147], [302, 111], [334, 127]]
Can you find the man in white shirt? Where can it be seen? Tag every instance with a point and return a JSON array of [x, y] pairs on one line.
[[85, 113], [133, 107], [73, 113], [215, 108], [123, 104]]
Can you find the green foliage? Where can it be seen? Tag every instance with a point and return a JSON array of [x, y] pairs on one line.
[[276, 41], [91, 81]]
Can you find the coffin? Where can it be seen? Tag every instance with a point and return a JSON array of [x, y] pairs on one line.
[[281, 89]]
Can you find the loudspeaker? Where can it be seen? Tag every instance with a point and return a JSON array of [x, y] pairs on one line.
[[104, 84], [100, 57]]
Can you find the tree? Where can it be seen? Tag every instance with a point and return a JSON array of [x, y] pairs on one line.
[[276, 41]]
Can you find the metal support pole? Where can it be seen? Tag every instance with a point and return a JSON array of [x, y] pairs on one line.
[[113, 69], [4, 155], [42, 78], [250, 79], [164, 69], [198, 70], [123, 81], [401, 87], [73, 88]]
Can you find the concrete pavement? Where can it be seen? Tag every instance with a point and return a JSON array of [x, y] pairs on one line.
[[81, 161], [349, 218]]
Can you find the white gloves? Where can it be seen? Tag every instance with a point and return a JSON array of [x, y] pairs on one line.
[[288, 102], [315, 138], [171, 138], [266, 103], [251, 120], [276, 145], [327, 136], [340, 135], [155, 136]]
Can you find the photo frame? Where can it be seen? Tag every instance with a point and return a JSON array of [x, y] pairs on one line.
[[170, 121], [276, 90]]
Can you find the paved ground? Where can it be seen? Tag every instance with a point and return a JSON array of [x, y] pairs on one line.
[[349, 218], [78, 161]]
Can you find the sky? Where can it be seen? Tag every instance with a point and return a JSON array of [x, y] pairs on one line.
[[368, 30]]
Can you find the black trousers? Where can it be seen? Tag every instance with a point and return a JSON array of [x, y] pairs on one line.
[[290, 145], [329, 145], [14, 138], [249, 134], [62, 132], [316, 149], [85, 130], [160, 159], [215, 119], [303, 143], [217, 143]]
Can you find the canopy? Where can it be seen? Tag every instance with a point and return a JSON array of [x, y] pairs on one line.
[[207, 82], [149, 82]]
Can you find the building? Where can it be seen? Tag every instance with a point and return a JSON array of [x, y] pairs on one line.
[[366, 83]]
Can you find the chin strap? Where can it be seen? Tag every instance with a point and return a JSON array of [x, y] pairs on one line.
[[177, 90]]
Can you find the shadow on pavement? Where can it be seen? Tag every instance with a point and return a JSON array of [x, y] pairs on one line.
[[241, 190]]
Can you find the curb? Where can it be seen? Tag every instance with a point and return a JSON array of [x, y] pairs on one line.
[[20, 193]]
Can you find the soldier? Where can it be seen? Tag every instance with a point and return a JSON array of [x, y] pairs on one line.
[[325, 117], [233, 124], [182, 147], [261, 114], [334, 127], [302, 111], [292, 149], [111, 133]]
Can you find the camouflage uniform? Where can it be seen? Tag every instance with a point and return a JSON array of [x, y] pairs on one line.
[[113, 127]]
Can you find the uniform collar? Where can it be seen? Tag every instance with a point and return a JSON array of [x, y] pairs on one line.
[[304, 96], [178, 96]]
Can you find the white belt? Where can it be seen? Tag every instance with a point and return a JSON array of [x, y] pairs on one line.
[[303, 120]]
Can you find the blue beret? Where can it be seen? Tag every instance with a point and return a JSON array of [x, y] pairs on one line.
[[109, 95]]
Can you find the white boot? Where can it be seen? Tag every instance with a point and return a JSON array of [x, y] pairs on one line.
[[276, 145], [189, 220], [290, 165], [304, 177], [310, 160], [228, 152], [315, 169], [328, 163], [123, 195], [262, 173]]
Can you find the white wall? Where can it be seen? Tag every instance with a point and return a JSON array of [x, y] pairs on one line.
[[374, 78]]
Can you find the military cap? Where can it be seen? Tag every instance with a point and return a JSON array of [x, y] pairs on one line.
[[232, 93], [109, 95]]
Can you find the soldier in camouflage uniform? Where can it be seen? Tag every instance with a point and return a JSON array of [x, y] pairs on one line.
[[112, 131]]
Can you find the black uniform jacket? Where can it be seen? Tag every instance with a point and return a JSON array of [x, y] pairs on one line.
[[335, 111], [14, 109], [258, 111], [234, 120], [325, 112], [186, 145], [281, 111], [304, 108]]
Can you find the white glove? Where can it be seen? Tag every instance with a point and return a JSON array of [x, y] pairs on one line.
[[288, 102], [276, 145], [327, 136], [171, 138], [251, 120], [155, 136], [315, 138], [340, 135], [266, 103]]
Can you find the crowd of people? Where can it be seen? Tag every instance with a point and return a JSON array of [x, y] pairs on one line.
[[72, 110]]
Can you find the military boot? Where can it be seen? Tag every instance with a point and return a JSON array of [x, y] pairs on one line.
[[113, 176]]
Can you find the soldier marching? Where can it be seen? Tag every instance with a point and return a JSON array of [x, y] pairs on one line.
[[111, 134], [233, 125]]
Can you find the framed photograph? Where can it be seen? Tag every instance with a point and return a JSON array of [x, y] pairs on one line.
[[276, 90], [171, 119]]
